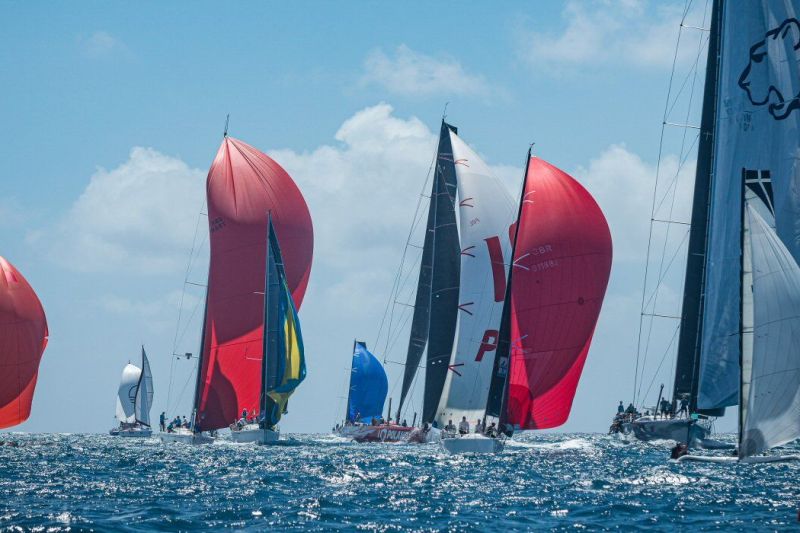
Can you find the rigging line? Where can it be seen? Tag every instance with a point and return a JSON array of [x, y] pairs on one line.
[[652, 215], [663, 357], [180, 305], [405, 249], [661, 273], [404, 283], [703, 44]]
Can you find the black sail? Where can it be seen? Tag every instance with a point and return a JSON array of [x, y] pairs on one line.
[[436, 304], [688, 361]]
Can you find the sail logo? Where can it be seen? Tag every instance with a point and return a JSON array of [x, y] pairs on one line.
[[779, 91]]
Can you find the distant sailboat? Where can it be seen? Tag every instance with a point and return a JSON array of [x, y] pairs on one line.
[[23, 338], [134, 400], [557, 276], [365, 398], [249, 197]]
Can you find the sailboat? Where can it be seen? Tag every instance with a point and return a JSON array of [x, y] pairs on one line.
[[748, 132], [366, 395], [558, 271], [23, 338], [461, 285], [769, 333], [134, 400], [248, 308]]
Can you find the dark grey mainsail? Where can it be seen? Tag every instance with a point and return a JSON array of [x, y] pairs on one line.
[[436, 303], [687, 365]]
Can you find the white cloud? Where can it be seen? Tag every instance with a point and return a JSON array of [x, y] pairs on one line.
[[615, 32], [413, 73], [622, 183], [101, 44], [137, 217]]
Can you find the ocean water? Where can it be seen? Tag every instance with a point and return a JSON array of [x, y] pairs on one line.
[[319, 482]]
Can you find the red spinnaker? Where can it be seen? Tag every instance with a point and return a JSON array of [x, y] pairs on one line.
[[23, 337], [243, 186], [562, 262]]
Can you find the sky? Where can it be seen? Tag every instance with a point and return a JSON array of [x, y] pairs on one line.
[[112, 114]]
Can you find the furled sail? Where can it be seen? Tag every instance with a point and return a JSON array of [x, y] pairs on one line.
[[285, 365], [23, 338], [368, 386], [771, 415], [559, 273], [756, 134], [243, 187], [486, 212], [126, 395], [435, 310], [144, 393]]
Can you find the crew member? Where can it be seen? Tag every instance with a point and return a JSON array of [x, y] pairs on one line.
[[463, 426], [450, 427], [620, 408], [162, 421]]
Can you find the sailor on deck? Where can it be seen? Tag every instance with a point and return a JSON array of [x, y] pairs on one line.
[[620, 408], [479, 426], [491, 431], [684, 409], [450, 427], [162, 421]]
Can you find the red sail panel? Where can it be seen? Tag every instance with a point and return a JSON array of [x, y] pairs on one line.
[[243, 186], [23, 337], [562, 262]]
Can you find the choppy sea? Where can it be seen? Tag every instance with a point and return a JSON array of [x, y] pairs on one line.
[[319, 482]]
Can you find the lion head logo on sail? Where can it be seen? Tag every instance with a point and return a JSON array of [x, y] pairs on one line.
[[779, 90]]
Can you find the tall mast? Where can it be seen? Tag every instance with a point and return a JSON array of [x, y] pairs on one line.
[[198, 384], [350, 383], [687, 366], [265, 377], [501, 373]]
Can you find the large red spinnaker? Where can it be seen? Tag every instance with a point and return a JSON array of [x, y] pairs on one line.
[[243, 186], [562, 262], [23, 337]]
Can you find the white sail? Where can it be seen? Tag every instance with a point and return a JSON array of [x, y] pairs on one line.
[[126, 396], [772, 414], [144, 394], [756, 133], [486, 212]]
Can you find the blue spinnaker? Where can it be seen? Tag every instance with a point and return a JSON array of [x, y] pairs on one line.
[[368, 386]]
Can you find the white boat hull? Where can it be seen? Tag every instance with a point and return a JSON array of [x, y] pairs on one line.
[[734, 459], [472, 444], [137, 432], [677, 429], [185, 436], [255, 434]]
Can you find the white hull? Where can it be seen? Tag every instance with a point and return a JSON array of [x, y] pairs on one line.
[[185, 436], [255, 434], [733, 459], [472, 444], [138, 432]]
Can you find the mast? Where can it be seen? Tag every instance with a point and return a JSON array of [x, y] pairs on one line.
[[687, 366], [198, 383], [498, 390], [350, 383], [265, 341]]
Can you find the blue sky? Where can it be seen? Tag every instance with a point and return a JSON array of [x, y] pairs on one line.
[[112, 114]]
